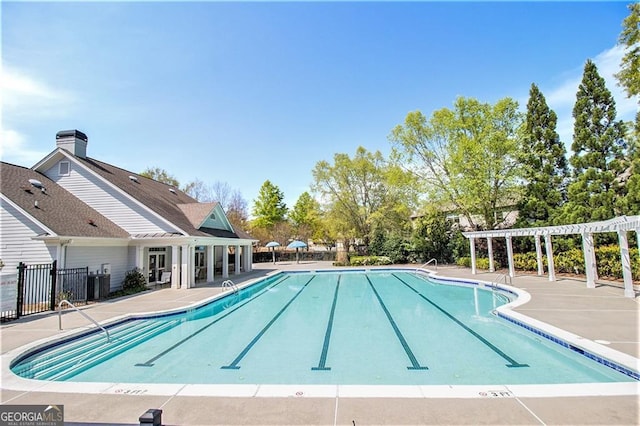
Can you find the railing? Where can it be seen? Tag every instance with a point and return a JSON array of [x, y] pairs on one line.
[[505, 278], [431, 261], [65, 301], [229, 285]]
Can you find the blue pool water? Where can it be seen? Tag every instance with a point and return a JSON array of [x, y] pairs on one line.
[[389, 327]]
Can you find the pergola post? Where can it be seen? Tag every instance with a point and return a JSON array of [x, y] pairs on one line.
[[589, 259], [512, 269], [549, 250], [490, 250], [539, 255], [626, 264], [472, 250]]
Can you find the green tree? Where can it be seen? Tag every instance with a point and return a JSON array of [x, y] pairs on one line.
[[629, 75], [545, 169], [353, 189], [269, 208], [432, 236], [466, 157], [599, 152], [305, 216], [161, 175]]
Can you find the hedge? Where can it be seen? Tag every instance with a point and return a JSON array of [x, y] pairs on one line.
[[369, 260], [481, 262]]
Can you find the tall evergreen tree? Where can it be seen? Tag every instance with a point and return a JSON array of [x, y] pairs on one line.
[[269, 208], [599, 153], [545, 167]]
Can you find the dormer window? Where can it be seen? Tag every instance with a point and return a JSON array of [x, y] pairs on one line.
[[63, 168]]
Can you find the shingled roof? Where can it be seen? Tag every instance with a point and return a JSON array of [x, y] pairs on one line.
[[161, 198], [55, 207]]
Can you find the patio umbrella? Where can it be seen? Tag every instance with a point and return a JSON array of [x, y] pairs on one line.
[[296, 244], [272, 245]]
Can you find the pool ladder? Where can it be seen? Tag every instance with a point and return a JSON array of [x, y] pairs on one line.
[[66, 302], [229, 285]]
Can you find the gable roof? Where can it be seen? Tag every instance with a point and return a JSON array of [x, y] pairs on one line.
[[57, 209], [197, 212], [168, 202]]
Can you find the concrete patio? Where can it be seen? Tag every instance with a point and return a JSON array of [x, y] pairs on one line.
[[602, 314]]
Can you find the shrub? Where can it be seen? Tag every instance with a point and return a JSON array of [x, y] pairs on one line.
[[134, 282], [369, 260], [481, 262]]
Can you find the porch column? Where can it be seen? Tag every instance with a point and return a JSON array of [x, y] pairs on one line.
[[211, 266], [192, 266], [512, 270], [472, 250], [184, 267], [175, 267], [626, 264], [225, 261], [490, 250], [237, 261], [139, 259], [589, 259], [248, 258], [539, 255], [549, 250]]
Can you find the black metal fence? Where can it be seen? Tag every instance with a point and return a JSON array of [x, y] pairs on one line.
[[71, 284], [41, 286]]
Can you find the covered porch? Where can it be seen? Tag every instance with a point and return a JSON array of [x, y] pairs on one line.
[[184, 262]]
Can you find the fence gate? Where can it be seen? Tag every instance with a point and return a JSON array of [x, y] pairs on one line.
[[40, 287]]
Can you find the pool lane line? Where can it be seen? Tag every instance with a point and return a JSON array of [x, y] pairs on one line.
[[415, 365], [234, 364], [322, 365], [149, 362], [512, 363]]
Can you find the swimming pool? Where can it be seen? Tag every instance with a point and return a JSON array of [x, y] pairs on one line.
[[387, 327]]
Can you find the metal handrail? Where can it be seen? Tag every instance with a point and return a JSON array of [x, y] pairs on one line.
[[432, 260], [505, 278], [228, 284], [81, 313]]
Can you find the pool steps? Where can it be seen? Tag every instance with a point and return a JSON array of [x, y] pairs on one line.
[[67, 361]]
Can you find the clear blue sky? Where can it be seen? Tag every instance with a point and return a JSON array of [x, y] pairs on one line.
[[245, 92]]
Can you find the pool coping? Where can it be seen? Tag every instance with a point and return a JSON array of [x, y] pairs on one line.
[[11, 381]]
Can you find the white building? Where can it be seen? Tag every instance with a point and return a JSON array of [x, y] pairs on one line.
[[82, 212]]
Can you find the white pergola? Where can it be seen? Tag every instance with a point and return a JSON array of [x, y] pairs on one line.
[[621, 225]]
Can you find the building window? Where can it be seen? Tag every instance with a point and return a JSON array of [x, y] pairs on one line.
[[63, 168], [212, 216]]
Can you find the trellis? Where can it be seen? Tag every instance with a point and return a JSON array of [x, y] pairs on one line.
[[621, 225]]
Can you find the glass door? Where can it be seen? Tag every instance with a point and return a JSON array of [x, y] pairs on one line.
[[156, 266]]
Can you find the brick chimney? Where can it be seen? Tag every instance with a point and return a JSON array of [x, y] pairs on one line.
[[73, 141]]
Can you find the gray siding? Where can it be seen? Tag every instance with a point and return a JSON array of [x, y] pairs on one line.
[[95, 257], [16, 243], [111, 203]]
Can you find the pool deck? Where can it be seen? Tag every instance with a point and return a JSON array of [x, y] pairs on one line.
[[600, 314]]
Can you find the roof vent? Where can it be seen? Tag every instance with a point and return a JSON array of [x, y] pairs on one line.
[[172, 190], [36, 183], [133, 178]]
